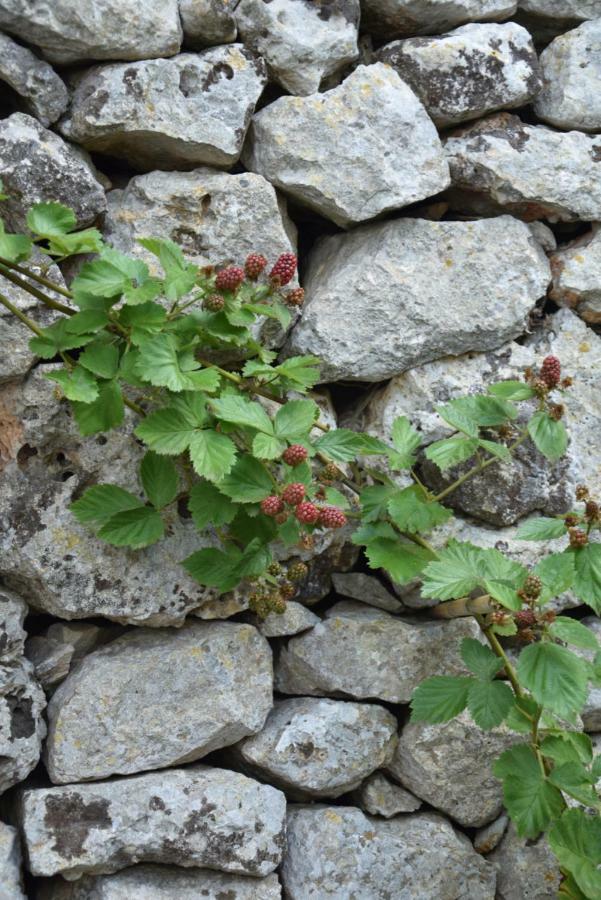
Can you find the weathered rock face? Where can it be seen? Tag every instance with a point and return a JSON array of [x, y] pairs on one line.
[[577, 276], [382, 797], [347, 159], [207, 22], [571, 67], [449, 766], [563, 9], [11, 887], [362, 652], [54, 171], [197, 816], [95, 29], [399, 18], [169, 113], [377, 299], [43, 93], [293, 620], [488, 837], [591, 714], [302, 43], [529, 170], [339, 852], [366, 589], [469, 72], [158, 698], [320, 748], [525, 868]]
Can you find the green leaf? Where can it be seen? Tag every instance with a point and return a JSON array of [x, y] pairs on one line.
[[56, 338], [87, 241], [481, 661], [531, 801], [439, 699], [267, 446], [412, 512], [166, 431], [302, 372], [451, 451], [104, 414], [159, 479], [255, 559], [557, 574], [101, 502], [367, 533], [402, 560], [49, 219], [343, 445], [489, 703], [77, 384], [556, 678], [248, 482], [161, 364], [14, 247], [456, 573], [573, 632], [568, 746], [214, 568], [100, 358], [573, 779], [212, 454], [587, 581], [87, 321], [406, 440], [180, 276], [541, 529], [511, 390], [246, 527], [550, 437], [521, 715], [336, 498], [208, 506], [499, 450], [576, 842], [100, 278], [374, 501], [142, 293], [240, 411], [459, 414], [133, 528], [468, 414], [295, 419]]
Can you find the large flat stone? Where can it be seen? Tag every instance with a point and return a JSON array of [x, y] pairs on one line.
[[402, 18], [11, 884], [42, 92], [525, 868], [207, 22], [571, 71], [576, 272]]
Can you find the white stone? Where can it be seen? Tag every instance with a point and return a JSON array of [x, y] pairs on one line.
[[207, 22], [488, 837], [571, 71], [381, 797], [577, 276], [525, 868], [367, 589], [293, 620], [11, 885], [401, 18], [563, 9], [42, 92]]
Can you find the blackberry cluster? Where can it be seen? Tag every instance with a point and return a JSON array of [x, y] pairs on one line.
[[229, 279]]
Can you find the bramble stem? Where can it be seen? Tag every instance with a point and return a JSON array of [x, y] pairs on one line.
[[479, 468], [464, 606], [498, 651], [21, 316], [45, 282], [25, 286]]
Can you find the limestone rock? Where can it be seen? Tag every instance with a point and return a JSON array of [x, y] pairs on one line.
[[401, 18], [488, 837], [377, 299], [302, 43], [382, 797], [320, 748], [207, 22], [529, 170], [339, 852], [11, 885], [42, 92], [577, 276], [12, 634], [367, 589], [53, 170], [148, 882], [293, 620], [361, 652], [51, 659], [591, 714], [450, 767], [169, 113], [579, 10], [158, 698], [525, 868], [95, 29], [82, 636], [198, 816], [571, 70], [359, 150]]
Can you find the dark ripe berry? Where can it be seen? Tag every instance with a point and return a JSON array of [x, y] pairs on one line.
[[332, 517], [550, 371], [295, 297], [287, 590], [297, 571], [532, 586], [581, 492], [307, 513], [229, 279], [271, 506], [525, 618], [294, 455], [274, 569], [214, 303], [293, 494], [578, 538], [284, 270], [591, 510], [254, 265]]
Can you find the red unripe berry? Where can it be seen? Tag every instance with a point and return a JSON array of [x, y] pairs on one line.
[[284, 269], [332, 517], [293, 493], [307, 513], [294, 455], [271, 506], [550, 371], [229, 279], [525, 618], [213, 303], [295, 297], [254, 265]]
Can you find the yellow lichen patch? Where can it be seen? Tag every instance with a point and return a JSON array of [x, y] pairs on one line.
[[579, 258], [584, 347], [67, 540], [333, 816]]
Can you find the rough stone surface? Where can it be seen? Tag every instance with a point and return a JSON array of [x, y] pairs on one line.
[[42, 92], [402, 18], [349, 159], [377, 298], [302, 43], [158, 698], [525, 868], [169, 113], [51, 659], [207, 22], [82, 636], [382, 797], [37, 165], [563, 9], [366, 589], [469, 72], [571, 70], [488, 837], [11, 887], [530, 170], [449, 766], [197, 816], [362, 652], [293, 620], [340, 852], [320, 748], [577, 276], [95, 29], [591, 714], [148, 882]]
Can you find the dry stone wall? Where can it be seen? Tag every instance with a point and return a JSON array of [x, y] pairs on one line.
[[437, 167]]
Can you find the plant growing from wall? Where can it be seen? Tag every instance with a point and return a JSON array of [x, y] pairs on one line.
[[241, 443]]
